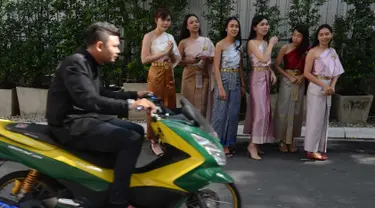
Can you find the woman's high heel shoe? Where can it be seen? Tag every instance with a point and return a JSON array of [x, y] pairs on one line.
[[253, 157], [253, 154], [259, 151], [156, 148]]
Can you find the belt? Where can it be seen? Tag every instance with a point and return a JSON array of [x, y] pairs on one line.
[[193, 67], [293, 72], [161, 64], [261, 68], [323, 77], [229, 70]]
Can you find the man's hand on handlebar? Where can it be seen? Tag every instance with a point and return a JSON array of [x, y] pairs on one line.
[[144, 104], [144, 94]]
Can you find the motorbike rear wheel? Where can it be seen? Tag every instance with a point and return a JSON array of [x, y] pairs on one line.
[[207, 198]]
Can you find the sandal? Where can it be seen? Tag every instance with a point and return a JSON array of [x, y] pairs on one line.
[[316, 156], [292, 148], [283, 147], [232, 150], [229, 154]]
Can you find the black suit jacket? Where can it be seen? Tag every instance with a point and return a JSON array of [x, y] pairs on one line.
[[77, 101]]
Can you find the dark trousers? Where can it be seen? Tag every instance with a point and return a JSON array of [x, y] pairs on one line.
[[115, 136]]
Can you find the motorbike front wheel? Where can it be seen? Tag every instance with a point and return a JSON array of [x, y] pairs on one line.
[[215, 198]]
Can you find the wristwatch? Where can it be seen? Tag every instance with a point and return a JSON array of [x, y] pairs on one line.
[[130, 102]]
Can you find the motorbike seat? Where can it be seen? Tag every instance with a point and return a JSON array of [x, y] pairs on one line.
[[41, 132]]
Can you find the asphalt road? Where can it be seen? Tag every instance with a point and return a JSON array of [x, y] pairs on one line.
[[345, 180]]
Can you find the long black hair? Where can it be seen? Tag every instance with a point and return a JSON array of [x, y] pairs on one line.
[[304, 30], [185, 33], [238, 37], [256, 20], [316, 40]]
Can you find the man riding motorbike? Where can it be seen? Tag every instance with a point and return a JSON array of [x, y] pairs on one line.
[[80, 111]]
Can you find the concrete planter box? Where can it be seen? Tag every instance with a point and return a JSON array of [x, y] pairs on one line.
[[32, 101], [8, 102], [351, 109], [135, 86]]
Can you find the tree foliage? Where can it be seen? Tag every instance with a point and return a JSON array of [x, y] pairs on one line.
[[37, 34], [275, 20], [218, 12], [354, 38], [305, 12]]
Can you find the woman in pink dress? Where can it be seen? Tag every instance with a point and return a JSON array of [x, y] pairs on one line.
[[258, 122], [323, 69]]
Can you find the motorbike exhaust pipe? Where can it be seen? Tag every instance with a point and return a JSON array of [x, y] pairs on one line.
[[64, 203]]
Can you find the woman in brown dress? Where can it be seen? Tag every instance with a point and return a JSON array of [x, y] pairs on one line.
[[160, 49]]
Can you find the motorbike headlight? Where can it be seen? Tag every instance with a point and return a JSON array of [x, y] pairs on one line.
[[216, 152]]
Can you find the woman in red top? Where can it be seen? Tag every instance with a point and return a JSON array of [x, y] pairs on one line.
[[289, 107]]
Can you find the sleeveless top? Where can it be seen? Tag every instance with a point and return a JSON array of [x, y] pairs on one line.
[[255, 61], [293, 60], [230, 58]]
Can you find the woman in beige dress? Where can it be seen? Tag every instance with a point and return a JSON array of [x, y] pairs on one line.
[[197, 54], [288, 116]]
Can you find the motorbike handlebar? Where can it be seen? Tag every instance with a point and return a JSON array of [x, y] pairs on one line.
[[157, 102]]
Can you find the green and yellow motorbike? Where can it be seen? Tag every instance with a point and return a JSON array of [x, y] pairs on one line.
[[59, 176]]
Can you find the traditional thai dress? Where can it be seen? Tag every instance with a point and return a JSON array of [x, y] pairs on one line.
[[196, 77], [288, 115], [325, 68], [211, 92], [161, 75], [226, 112], [258, 121]]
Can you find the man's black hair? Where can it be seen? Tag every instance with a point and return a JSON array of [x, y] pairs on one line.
[[99, 31]]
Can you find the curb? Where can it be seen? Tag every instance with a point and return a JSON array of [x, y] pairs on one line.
[[337, 132]]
